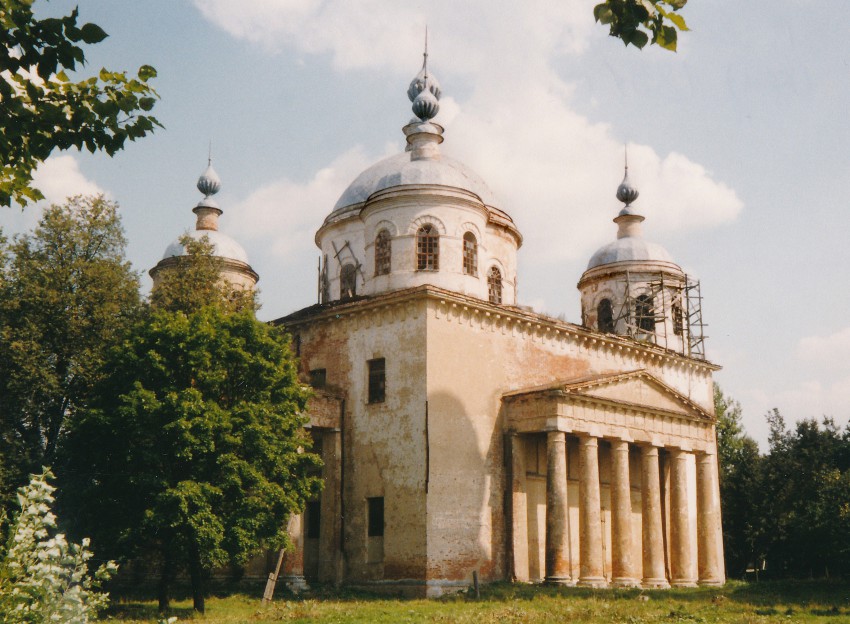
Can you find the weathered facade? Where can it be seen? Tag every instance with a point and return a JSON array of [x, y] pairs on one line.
[[462, 433]]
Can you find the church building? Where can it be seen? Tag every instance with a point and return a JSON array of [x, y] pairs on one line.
[[462, 432]]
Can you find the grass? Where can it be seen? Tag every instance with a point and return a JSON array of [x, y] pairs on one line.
[[761, 603]]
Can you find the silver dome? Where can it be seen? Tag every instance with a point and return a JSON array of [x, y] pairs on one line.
[[629, 249], [223, 246], [400, 170]]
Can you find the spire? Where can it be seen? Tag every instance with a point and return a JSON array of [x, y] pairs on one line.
[[628, 219], [207, 209], [424, 136], [424, 90]]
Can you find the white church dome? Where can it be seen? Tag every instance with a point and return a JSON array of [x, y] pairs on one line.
[[223, 246], [400, 170], [629, 249]]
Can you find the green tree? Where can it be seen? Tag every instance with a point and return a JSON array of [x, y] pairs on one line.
[[739, 486], [638, 22], [67, 293], [195, 449], [42, 109], [195, 281], [43, 577]]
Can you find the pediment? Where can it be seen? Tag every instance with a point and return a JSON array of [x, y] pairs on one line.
[[636, 389]]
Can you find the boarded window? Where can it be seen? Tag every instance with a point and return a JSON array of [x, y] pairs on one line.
[[318, 377], [678, 320], [383, 253], [605, 316], [377, 380], [347, 281], [470, 254], [375, 511], [427, 248], [645, 314], [494, 285], [313, 519]]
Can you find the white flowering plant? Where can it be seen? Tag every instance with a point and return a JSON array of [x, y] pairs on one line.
[[43, 577]]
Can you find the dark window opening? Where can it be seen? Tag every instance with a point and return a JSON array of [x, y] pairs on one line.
[[296, 342], [348, 281], [605, 316], [678, 320], [318, 377], [494, 285], [645, 314], [313, 513], [470, 254], [376, 516], [427, 248], [383, 255], [377, 380]]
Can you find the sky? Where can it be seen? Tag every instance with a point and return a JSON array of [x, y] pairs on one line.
[[739, 144]]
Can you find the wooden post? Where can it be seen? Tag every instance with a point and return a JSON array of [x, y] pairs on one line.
[[268, 594]]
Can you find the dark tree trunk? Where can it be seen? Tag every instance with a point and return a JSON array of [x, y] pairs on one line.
[[165, 577], [196, 573]]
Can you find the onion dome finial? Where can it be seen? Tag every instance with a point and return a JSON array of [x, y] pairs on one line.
[[424, 90], [627, 193], [209, 183]]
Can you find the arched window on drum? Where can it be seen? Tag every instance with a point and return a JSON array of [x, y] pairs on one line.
[[494, 285]]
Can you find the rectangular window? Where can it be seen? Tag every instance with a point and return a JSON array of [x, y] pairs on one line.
[[377, 380], [318, 377], [314, 519], [375, 509]]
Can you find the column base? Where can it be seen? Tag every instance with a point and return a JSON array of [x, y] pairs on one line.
[[596, 582], [711, 582], [625, 582], [295, 583], [655, 583], [683, 583], [564, 581]]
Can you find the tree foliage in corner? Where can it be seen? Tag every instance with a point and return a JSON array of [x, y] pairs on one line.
[[194, 453], [42, 109], [67, 293], [638, 22]]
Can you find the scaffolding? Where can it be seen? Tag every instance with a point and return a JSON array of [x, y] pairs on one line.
[[652, 307]]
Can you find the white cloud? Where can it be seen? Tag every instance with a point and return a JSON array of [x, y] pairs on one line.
[[373, 33], [282, 216], [556, 172], [59, 177], [831, 351]]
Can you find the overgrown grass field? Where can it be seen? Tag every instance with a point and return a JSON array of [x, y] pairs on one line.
[[761, 603]]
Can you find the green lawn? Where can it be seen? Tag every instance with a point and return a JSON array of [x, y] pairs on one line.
[[765, 602]]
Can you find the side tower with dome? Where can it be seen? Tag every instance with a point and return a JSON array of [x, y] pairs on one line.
[[633, 288], [235, 268], [463, 434]]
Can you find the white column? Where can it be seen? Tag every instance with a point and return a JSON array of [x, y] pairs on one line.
[[590, 515], [654, 575], [557, 533], [623, 574]]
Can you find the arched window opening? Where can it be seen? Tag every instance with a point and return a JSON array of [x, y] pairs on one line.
[[645, 314], [678, 320], [605, 316], [347, 281], [494, 285], [427, 248], [470, 254], [383, 255]]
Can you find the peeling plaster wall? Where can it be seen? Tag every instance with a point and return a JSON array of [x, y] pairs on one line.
[[383, 443]]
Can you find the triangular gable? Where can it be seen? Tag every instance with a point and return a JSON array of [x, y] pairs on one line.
[[636, 389]]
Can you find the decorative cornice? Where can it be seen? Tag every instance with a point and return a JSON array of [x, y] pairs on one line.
[[449, 302]]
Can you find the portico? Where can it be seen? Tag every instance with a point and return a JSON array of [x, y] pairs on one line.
[[638, 505]]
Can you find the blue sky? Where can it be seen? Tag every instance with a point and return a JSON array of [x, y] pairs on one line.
[[739, 144]]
